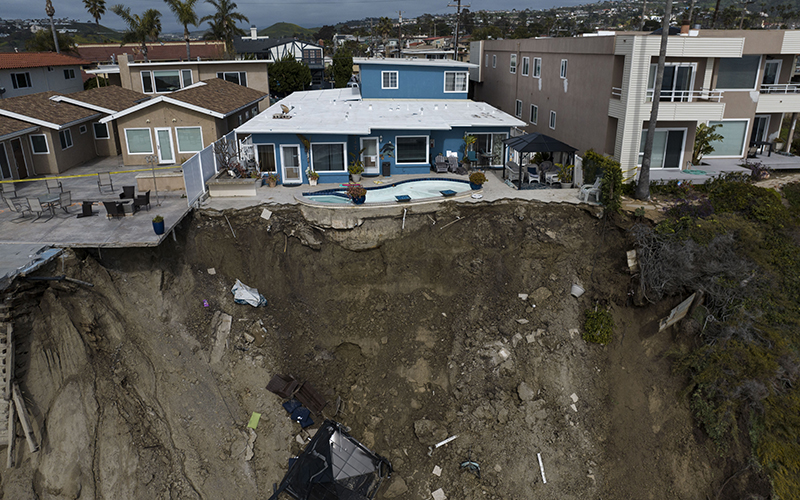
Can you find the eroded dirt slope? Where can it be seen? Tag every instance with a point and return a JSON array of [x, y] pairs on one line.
[[421, 332]]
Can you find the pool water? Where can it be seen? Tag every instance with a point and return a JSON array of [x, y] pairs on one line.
[[417, 189]]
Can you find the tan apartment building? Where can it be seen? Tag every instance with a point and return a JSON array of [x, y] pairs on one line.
[[596, 92]]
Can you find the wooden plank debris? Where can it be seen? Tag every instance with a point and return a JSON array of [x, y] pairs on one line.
[[23, 418], [677, 314], [12, 435]]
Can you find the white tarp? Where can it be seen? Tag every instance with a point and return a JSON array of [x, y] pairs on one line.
[[243, 294]]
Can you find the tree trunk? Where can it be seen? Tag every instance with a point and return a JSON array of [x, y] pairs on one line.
[[643, 186], [186, 38], [714, 19], [144, 51]]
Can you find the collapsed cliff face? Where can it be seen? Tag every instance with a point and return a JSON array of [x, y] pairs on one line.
[[415, 333]]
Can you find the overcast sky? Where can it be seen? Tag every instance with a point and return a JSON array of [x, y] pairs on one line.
[[306, 13]]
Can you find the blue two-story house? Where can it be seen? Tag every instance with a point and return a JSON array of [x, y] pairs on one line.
[[405, 112]]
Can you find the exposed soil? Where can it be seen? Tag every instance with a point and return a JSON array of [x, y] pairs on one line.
[[420, 331]]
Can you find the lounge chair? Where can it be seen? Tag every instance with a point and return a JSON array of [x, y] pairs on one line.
[[589, 190], [532, 173], [128, 192], [37, 208], [20, 209], [452, 164], [143, 200], [440, 165], [113, 209], [9, 190], [64, 201], [512, 171], [53, 184], [104, 180]]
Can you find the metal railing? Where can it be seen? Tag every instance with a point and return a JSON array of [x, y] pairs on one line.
[[616, 92], [781, 88], [687, 95]]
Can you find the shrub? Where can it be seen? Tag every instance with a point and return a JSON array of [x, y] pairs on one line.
[[598, 326], [755, 203], [791, 192], [356, 191], [611, 188], [477, 178]]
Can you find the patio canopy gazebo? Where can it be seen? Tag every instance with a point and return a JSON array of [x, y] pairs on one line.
[[537, 143]]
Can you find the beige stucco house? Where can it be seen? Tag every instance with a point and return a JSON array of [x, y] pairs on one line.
[[597, 91], [175, 126]]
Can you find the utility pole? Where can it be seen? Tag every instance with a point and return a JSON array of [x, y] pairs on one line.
[[50, 11], [458, 18], [399, 30], [644, 11]]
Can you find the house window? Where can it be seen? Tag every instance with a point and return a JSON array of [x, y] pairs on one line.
[[82, 129], [190, 139], [677, 84], [518, 109], [534, 114], [388, 79], [254, 112], [66, 138], [100, 130], [237, 77], [455, 81], [412, 149], [553, 120], [247, 114], [147, 82], [139, 141], [167, 81], [537, 67], [526, 66], [266, 158], [39, 144], [563, 68], [486, 61], [186, 75], [240, 119], [513, 63], [738, 73], [69, 74], [494, 61], [733, 134], [21, 80], [328, 157], [5, 166]]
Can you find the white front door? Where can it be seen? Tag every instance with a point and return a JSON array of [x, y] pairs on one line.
[[760, 128], [772, 72], [164, 145], [369, 155], [290, 164]]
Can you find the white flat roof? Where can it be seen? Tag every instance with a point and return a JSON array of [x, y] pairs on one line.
[[416, 62], [339, 112]]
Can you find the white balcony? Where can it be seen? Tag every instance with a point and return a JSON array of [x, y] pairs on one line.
[[781, 98], [702, 95]]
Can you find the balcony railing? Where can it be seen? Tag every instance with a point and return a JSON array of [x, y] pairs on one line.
[[781, 88], [687, 95], [616, 92]]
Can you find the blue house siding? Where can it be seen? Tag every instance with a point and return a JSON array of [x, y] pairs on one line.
[[413, 82]]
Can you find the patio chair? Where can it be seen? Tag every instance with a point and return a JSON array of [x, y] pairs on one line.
[[20, 209], [65, 200], [104, 180], [143, 200], [53, 184], [37, 208], [440, 165], [128, 192], [452, 164], [532, 173], [9, 189], [589, 190], [472, 156], [512, 171], [113, 209]]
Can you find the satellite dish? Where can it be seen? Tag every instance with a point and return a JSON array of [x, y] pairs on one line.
[[285, 108]]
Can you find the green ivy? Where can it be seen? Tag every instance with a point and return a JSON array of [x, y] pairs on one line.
[[598, 326]]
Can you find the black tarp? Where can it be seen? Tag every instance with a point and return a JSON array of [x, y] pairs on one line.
[[334, 466]]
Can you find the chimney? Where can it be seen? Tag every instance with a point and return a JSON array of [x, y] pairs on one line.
[[253, 32], [685, 27]]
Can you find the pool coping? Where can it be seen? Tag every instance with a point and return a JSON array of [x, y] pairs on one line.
[[301, 198]]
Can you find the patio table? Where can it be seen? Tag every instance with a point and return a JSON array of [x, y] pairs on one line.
[[50, 200]]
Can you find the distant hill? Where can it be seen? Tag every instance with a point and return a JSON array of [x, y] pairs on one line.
[[86, 33], [283, 30]]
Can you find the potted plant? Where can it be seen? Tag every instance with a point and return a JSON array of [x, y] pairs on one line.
[[313, 177], [565, 174], [158, 224], [356, 167], [357, 193], [272, 180], [476, 180]]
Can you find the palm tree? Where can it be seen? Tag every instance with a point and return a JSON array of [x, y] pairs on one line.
[[184, 11], [139, 28], [222, 24], [96, 8]]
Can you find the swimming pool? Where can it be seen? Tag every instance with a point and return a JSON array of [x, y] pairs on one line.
[[417, 189]]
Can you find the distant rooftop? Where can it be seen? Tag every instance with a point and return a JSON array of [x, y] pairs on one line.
[[448, 63], [21, 60], [340, 111]]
